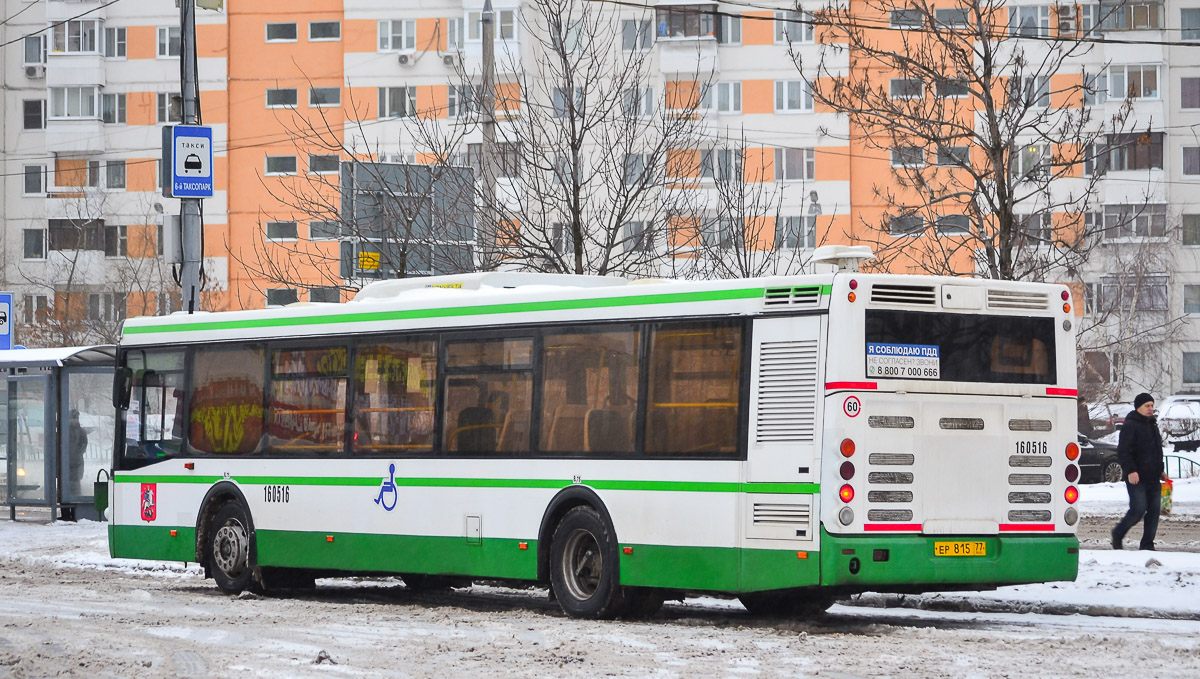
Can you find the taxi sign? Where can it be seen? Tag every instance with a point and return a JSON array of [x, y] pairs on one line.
[[187, 161]]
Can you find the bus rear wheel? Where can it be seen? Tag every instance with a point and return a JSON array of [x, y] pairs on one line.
[[583, 566], [229, 558]]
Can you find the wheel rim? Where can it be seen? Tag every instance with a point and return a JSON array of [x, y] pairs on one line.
[[1112, 472], [231, 548], [582, 564]]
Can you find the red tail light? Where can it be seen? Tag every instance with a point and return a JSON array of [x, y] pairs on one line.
[[1072, 473], [1071, 495], [1072, 451], [847, 447], [846, 493], [847, 470]]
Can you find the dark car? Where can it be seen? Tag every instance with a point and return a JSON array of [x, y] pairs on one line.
[[1098, 461]]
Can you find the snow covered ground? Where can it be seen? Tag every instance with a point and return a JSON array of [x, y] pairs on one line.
[[67, 609]]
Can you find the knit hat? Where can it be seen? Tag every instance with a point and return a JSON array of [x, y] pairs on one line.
[[1140, 399]]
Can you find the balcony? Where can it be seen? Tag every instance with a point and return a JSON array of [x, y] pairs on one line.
[[688, 55], [73, 69], [75, 136]]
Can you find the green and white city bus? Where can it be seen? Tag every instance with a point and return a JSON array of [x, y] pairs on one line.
[[784, 440]]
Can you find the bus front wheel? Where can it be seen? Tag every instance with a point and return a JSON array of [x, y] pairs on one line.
[[583, 566], [229, 558]]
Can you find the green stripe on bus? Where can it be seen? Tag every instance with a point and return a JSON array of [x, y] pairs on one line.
[[669, 486], [444, 312]]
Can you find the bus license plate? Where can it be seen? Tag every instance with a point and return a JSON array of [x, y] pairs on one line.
[[960, 548]]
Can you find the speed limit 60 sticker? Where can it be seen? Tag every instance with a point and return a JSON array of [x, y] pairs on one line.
[[851, 406]]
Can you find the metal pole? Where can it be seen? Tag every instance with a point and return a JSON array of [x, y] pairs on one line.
[[192, 240], [487, 162]]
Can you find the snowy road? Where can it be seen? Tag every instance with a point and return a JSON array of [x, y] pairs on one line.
[[67, 609]]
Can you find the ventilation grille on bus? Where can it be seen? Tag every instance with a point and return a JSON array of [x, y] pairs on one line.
[[890, 293], [1012, 299], [1030, 425], [787, 391], [803, 297], [781, 520]]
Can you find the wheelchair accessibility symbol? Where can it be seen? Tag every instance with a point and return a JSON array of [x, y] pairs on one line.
[[387, 489]]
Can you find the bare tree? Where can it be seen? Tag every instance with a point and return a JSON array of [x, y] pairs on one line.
[[988, 124]]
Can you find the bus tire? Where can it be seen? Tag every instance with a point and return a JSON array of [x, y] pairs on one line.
[[781, 605], [583, 566], [229, 548]]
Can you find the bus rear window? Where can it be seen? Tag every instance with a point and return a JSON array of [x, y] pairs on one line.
[[960, 347]]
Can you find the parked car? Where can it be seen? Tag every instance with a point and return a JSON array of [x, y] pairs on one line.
[[1179, 421], [1098, 461], [1108, 417]]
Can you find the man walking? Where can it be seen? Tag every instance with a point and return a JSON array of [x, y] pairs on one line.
[[1139, 450]]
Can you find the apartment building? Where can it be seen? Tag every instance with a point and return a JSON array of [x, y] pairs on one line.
[[295, 89]]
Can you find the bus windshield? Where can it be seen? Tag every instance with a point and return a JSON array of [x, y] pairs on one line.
[[960, 347]]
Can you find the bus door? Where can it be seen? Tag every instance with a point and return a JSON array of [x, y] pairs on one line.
[[786, 372]]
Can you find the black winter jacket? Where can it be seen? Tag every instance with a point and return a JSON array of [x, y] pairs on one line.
[[1139, 448]]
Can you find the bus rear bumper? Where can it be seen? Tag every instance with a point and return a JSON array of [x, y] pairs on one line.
[[909, 562]]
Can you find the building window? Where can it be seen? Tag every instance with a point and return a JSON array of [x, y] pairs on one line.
[[954, 225], [1029, 22], [323, 230], [76, 36], [1191, 160], [324, 30], [792, 27], [281, 231], [1135, 221], [906, 225], [454, 33], [324, 96], [35, 50], [116, 241], [281, 296], [327, 294], [323, 164], [793, 95], [906, 18], [1135, 292], [1189, 92], [73, 102], [397, 102], [506, 22], [1191, 299], [638, 238], [114, 43], [795, 164], [908, 156], [955, 88], [170, 108], [1037, 227], [796, 233], [1029, 92], [72, 234], [397, 35], [952, 17], [114, 174], [729, 97], [721, 164], [562, 107], [35, 114], [1031, 162], [35, 180], [638, 101], [729, 29], [1189, 22], [168, 41], [686, 21], [636, 34], [1095, 88], [906, 88], [282, 32], [635, 168], [282, 98], [1191, 367], [112, 108], [34, 244], [1134, 81], [108, 306], [1100, 368], [280, 165], [954, 156], [1131, 152], [1191, 229], [460, 101], [34, 308], [1134, 16]]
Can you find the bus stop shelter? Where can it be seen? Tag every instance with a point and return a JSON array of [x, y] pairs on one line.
[[58, 427]]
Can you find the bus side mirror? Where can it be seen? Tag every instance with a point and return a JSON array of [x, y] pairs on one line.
[[122, 386]]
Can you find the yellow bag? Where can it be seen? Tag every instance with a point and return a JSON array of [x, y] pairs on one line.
[[1168, 487]]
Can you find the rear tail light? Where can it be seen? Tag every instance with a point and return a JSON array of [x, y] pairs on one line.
[[1066, 295], [847, 470], [1071, 495], [846, 516], [847, 447], [1072, 473], [1072, 451], [846, 493], [1071, 516]]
